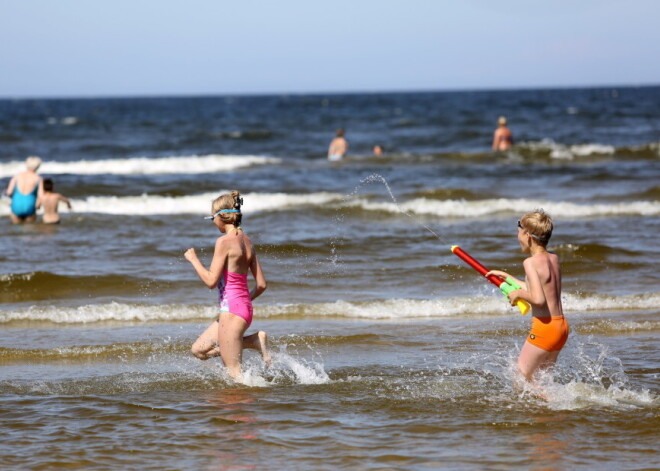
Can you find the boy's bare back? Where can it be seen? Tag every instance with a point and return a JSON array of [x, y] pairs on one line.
[[544, 273], [49, 201]]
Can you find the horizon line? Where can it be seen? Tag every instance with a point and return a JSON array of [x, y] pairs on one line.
[[327, 92]]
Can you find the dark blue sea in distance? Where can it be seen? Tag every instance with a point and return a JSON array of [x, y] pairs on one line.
[[389, 352]]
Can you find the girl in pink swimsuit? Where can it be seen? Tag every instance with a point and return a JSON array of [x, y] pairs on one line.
[[233, 258]]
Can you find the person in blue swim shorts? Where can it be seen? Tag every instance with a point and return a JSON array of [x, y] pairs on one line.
[[24, 189]]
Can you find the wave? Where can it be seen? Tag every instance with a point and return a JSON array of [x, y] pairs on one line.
[[651, 193], [592, 251], [186, 373], [23, 287], [75, 352], [145, 165], [453, 307], [489, 207], [249, 135], [392, 309], [610, 326], [447, 194], [547, 148], [554, 150], [543, 150], [129, 350], [644, 151], [114, 311], [146, 205]]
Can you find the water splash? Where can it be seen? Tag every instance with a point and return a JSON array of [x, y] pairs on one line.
[[285, 369], [377, 178], [592, 377], [335, 241]]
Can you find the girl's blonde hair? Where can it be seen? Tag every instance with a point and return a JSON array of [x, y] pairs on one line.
[[231, 200], [539, 224]]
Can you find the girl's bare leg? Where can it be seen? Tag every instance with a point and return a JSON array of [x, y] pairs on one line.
[[206, 346], [230, 336], [259, 341]]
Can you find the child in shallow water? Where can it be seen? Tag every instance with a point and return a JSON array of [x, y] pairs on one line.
[[542, 289], [233, 257], [49, 200]]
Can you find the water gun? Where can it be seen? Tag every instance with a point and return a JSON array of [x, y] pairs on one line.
[[506, 286]]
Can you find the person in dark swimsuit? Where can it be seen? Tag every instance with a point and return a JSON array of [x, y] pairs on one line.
[[502, 138]]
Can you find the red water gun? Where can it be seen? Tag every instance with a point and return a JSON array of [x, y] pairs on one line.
[[506, 286]]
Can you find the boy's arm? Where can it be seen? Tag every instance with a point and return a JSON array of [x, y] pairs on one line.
[[64, 199], [504, 275], [532, 291]]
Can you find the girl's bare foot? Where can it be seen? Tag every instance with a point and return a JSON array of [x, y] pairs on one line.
[[263, 347]]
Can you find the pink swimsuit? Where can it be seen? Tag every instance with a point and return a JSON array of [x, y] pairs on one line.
[[234, 295]]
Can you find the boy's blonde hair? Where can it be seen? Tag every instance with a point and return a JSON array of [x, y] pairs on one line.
[[538, 224], [231, 200]]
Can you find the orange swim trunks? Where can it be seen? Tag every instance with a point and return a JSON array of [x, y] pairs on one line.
[[548, 333]]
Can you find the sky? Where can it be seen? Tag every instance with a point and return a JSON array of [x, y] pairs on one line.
[[71, 48]]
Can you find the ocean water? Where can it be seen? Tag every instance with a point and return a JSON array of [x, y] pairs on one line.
[[389, 352]]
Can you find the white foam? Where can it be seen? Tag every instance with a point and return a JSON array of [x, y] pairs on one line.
[[392, 308], [488, 207], [145, 205], [606, 302], [144, 165], [66, 121], [459, 306], [564, 152], [494, 305], [591, 149], [110, 312]]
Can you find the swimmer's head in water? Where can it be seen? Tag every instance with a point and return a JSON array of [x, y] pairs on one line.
[[501, 121], [229, 201], [538, 224], [33, 162]]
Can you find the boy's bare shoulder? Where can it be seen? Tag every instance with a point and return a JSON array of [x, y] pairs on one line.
[[539, 258], [528, 262]]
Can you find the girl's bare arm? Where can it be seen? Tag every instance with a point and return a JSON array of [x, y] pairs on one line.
[[211, 276], [259, 277]]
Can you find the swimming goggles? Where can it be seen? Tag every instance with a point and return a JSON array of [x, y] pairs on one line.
[[530, 234], [223, 211]]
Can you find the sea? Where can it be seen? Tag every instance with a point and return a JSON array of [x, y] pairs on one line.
[[389, 352]]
